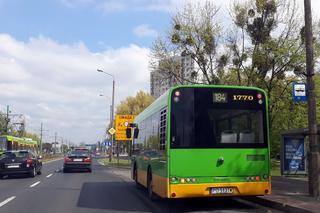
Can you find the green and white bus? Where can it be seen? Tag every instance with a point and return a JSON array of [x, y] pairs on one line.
[[204, 140]]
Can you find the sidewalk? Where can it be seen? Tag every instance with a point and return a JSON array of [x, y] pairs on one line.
[[290, 195]]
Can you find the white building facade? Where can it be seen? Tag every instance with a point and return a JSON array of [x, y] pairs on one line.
[[162, 80]]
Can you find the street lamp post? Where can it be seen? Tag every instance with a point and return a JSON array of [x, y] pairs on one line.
[[112, 109]]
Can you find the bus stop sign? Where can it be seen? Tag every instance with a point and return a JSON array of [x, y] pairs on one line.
[[299, 92]]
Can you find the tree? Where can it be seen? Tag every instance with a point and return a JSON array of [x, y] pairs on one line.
[[275, 47], [268, 51], [2, 124], [193, 33], [134, 105], [33, 136]]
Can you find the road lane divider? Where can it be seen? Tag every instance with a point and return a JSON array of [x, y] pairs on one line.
[[49, 175], [33, 185], [7, 201]]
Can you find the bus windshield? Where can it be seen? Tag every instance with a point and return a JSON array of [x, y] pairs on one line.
[[211, 117]]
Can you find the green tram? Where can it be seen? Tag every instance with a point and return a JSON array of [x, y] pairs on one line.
[[8, 142], [204, 140]]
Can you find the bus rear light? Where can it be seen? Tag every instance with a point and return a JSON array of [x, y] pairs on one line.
[[265, 176], [188, 180], [259, 96], [174, 179], [173, 194], [257, 178], [177, 93], [182, 180], [252, 178], [193, 180]]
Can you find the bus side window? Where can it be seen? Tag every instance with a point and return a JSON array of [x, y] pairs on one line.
[[162, 132]]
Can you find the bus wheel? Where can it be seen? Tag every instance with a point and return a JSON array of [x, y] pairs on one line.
[[151, 194]]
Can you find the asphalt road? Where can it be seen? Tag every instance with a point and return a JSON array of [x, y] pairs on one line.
[[103, 190]]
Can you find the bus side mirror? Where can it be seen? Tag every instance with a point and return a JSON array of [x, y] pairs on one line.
[[128, 133], [136, 133]]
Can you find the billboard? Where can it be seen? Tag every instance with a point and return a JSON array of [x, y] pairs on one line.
[[294, 157]]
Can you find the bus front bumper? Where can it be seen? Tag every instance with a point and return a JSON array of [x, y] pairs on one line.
[[206, 189]]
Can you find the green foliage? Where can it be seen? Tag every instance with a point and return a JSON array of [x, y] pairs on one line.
[[134, 105], [195, 33], [265, 49], [33, 136], [2, 123]]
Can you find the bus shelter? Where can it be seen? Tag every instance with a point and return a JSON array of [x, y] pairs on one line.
[[294, 149]]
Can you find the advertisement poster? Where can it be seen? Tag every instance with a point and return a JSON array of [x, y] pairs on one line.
[[294, 156]]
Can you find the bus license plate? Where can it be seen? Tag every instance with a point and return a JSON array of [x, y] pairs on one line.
[[222, 190]]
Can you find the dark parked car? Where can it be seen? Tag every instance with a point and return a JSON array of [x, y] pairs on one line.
[[20, 162], [77, 159]]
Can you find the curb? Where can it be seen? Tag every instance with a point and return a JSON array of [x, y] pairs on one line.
[[113, 166], [265, 201]]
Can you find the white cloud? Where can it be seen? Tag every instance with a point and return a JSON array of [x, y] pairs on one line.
[[58, 84], [108, 6], [144, 30], [75, 3], [112, 6]]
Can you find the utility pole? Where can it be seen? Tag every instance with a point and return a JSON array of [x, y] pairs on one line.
[[41, 133], [7, 120], [41, 138], [55, 142], [112, 121], [313, 155]]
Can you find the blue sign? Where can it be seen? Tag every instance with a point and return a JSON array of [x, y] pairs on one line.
[[106, 143], [294, 156], [299, 92]]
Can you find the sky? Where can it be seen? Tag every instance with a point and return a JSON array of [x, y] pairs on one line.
[[50, 51]]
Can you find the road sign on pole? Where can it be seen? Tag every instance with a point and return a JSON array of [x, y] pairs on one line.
[[299, 92], [122, 122], [112, 131]]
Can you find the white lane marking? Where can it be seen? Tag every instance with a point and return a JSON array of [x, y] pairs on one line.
[[49, 175], [7, 201], [33, 185], [101, 163]]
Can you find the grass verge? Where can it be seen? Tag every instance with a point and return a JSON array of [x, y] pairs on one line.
[[123, 163], [275, 168]]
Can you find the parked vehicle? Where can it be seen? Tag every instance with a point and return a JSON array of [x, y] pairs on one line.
[[20, 162], [79, 159]]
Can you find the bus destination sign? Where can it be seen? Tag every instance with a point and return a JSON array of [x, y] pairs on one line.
[[220, 97]]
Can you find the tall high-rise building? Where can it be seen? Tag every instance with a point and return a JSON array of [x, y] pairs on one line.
[[171, 72]]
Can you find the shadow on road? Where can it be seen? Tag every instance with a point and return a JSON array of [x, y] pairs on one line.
[[16, 176], [109, 195]]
